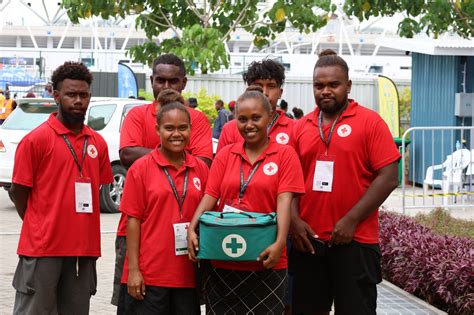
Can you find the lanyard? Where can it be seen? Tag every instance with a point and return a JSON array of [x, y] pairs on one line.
[[84, 148], [275, 118], [321, 133], [245, 184], [175, 191]]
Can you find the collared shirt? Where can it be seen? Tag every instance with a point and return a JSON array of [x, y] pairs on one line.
[[281, 131], [51, 226], [279, 172], [139, 129], [148, 197], [361, 144]]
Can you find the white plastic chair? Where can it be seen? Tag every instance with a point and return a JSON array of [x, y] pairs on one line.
[[452, 173], [469, 176]]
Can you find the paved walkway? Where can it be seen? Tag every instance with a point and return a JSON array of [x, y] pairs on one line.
[[391, 300]]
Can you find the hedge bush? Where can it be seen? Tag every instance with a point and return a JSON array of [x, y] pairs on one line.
[[436, 268]]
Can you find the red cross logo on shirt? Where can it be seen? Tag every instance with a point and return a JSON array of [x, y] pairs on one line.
[[344, 130], [270, 169], [197, 183], [92, 151], [282, 138]]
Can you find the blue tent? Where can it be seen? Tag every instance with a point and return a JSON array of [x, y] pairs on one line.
[[17, 77]]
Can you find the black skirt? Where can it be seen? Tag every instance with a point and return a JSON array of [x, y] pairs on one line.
[[236, 292]]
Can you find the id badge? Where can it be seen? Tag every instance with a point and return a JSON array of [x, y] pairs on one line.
[[181, 238], [3, 110], [83, 189], [228, 208], [323, 174]]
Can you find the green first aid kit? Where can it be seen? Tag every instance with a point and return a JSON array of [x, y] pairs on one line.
[[235, 236]]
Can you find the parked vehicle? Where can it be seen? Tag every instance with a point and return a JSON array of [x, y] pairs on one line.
[[105, 115]]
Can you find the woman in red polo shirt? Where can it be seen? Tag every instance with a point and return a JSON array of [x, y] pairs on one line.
[[162, 190], [256, 175]]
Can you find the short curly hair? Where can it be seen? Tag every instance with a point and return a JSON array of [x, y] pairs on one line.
[[266, 69], [73, 71]]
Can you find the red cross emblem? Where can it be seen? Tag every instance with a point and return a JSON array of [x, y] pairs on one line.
[[270, 169], [344, 130], [92, 151], [282, 138], [197, 183]]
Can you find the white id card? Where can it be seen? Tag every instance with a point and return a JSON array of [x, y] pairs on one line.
[[323, 176], [181, 238], [83, 197], [3, 110], [228, 208]]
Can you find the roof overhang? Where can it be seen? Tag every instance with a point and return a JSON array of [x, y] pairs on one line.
[[436, 47]]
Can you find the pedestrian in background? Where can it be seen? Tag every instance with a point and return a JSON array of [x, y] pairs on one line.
[[232, 110], [284, 108], [192, 102], [7, 105], [221, 119]]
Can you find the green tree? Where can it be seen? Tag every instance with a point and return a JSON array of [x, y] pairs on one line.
[[205, 103], [430, 16], [200, 28]]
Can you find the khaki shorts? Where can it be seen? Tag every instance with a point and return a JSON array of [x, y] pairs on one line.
[[51, 285]]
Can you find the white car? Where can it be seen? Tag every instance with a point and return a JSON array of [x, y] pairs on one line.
[[105, 115]]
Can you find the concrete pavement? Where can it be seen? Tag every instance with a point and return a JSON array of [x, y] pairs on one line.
[[391, 300], [10, 226]]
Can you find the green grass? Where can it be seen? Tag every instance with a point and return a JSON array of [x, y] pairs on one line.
[[441, 222]]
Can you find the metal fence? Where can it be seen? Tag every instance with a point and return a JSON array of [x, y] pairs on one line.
[[446, 166]]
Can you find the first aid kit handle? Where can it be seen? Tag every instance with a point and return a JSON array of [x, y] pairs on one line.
[[244, 213]]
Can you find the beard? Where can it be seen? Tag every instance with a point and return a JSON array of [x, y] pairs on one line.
[[71, 118], [334, 108]]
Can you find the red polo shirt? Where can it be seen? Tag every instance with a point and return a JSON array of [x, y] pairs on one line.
[[51, 226], [279, 172], [139, 130], [361, 144], [280, 133], [148, 196]]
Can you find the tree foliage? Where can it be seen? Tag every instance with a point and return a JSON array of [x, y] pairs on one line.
[[197, 30], [433, 17]]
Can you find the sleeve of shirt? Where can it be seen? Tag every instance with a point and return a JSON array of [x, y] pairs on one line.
[[131, 134], [134, 194], [105, 169], [201, 137], [294, 135], [203, 174], [216, 175], [381, 147], [25, 163], [291, 175], [225, 137]]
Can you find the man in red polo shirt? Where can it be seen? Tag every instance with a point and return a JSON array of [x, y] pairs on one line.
[[59, 168], [349, 161], [138, 137], [270, 76]]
